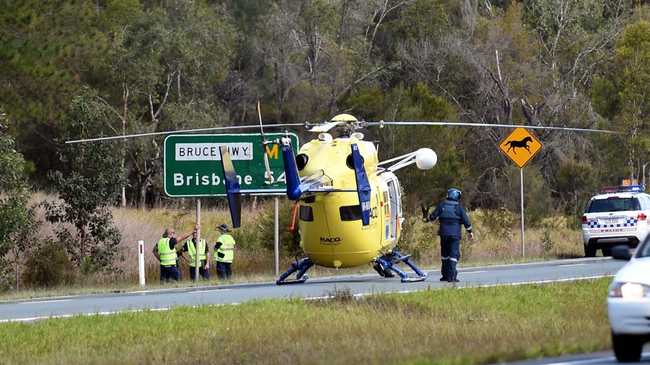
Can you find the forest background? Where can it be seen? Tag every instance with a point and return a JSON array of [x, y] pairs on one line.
[[75, 69]]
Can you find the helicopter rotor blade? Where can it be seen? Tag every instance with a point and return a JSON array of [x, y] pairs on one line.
[[488, 125], [232, 127], [267, 172], [233, 189]]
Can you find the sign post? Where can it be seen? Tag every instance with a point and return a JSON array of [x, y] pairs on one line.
[[521, 196], [197, 261], [141, 262], [276, 240], [520, 146], [192, 169]]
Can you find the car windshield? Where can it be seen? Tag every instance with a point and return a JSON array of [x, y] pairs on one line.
[[613, 204], [644, 249]]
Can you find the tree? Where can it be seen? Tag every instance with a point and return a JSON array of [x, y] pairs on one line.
[[167, 60], [17, 219], [87, 188], [621, 95]]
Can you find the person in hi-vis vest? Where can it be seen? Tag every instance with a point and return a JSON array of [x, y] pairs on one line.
[[191, 248], [224, 252], [165, 251]]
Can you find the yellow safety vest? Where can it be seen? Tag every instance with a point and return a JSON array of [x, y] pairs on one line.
[[191, 250], [167, 254], [227, 248]]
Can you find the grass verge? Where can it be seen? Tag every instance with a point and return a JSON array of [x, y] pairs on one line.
[[448, 326]]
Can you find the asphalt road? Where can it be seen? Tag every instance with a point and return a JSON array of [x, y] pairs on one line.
[[599, 358], [358, 285]]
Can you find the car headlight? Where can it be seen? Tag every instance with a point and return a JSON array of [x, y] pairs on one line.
[[628, 290]]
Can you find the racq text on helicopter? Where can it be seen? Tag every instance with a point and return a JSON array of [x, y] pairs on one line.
[[349, 202]]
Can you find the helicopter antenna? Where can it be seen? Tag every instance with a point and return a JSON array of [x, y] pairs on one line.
[[382, 123]]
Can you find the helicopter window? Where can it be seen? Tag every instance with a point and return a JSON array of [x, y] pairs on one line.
[[350, 213], [349, 163], [309, 199], [306, 213], [301, 161]]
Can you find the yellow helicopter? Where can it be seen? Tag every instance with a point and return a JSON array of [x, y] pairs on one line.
[[349, 203], [350, 210]]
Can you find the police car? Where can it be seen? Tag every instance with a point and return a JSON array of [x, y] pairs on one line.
[[617, 216]]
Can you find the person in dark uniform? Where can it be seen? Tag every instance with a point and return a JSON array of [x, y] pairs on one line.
[[451, 215], [165, 251]]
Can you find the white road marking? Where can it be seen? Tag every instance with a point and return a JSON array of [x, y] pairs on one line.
[[579, 278], [594, 361], [209, 291], [46, 301], [572, 265], [31, 319], [590, 361]]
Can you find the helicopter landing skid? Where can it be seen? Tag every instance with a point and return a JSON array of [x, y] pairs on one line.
[[301, 266], [386, 264]]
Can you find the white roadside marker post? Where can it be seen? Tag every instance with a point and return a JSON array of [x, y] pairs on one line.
[[141, 262]]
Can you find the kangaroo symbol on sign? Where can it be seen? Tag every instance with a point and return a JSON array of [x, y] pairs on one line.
[[513, 145]]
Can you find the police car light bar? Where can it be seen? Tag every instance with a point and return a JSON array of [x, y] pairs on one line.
[[623, 189]]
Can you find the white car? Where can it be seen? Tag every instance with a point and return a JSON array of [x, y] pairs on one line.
[[617, 216], [628, 303]]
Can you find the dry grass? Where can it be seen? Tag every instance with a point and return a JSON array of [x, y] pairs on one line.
[[448, 326]]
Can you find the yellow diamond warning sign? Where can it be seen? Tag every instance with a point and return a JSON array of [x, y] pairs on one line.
[[520, 146]]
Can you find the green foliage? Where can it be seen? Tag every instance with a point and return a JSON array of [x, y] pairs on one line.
[[48, 266], [620, 95], [499, 222], [17, 220], [418, 238], [87, 188], [262, 231], [162, 65], [576, 182]]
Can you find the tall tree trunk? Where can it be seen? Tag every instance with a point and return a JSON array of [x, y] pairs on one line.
[[143, 194]]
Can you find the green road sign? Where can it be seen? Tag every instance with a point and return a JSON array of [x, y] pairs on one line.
[[193, 168]]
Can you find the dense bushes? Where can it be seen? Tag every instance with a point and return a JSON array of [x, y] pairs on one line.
[[48, 266]]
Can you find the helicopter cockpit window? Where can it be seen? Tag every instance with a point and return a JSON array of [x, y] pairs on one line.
[[306, 213], [301, 161], [350, 213], [349, 162]]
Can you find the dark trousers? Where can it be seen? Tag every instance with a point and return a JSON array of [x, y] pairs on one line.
[[168, 273], [223, 270], [449, 254], [205, 274]]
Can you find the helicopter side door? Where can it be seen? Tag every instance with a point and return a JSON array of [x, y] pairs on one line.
[[395, 205]]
